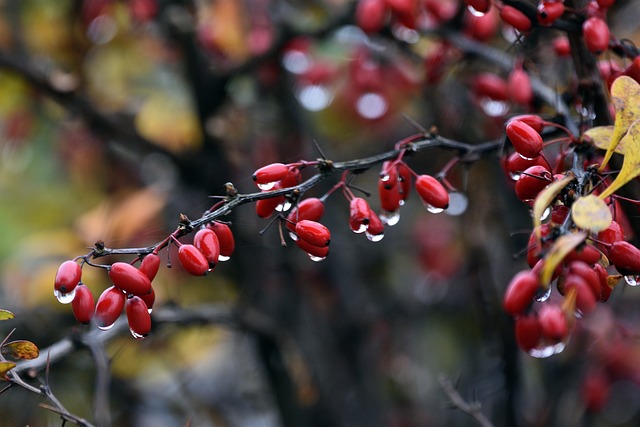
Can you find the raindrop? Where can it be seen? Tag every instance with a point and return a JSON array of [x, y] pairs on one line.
[[458, 203], [150, 310], [515, 176], [137, 335], [632, 280], [64, 298], [106, 328], [267, 186], [525, 157], [433, 209], [284, 206], [494, 108], [548, 350], [223, 258], [372, 106], [390, 218], [385, 177], [374, 237], [475, 12], [361, 229], [543, 294], [293, 236], [316, 258], [314, 97], [545, 214]]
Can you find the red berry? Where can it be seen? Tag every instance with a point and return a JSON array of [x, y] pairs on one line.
[[528, 332], [533, 120], [129, 279], [315, 252], [553, 322], [404, 179], [432, 192], [149, 299], [225, 238], [625, 257], [585, 298], [193, 260], [595, 390], [490, 85], [481, 6], [549, 12], [311, 208], [515, 18], [605, 4], [150, 265], [292, 178], [109, 307], [532, 181], [83, 304], [586, 253], [267, 175], [604, 282], [359, 215], [596, 34], [371, 15], [67, 277], [533, 247], [520, 292], [519, 86], [481, 28], [375, 231], [266, 207], [613, 233], [313, 233], [207, 242], [561, 46], [138, 317], [527, 142], [405, 11], [516, 164], [589, 274]]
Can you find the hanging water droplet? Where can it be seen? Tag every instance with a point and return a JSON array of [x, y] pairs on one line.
[[545, 214], [64, 298], [316, 258], [223, 258], [137, 335], [106, 328], [401, 202], [514, 176], [632, 280], [389, 218], [293, 236], [433, 209], [493, 108], [543, 294], [458, 203], [547, 350], [475, 12], [284, 206], [267, 186], [150, 310], [361, 229], [384, 177], [374, 237]]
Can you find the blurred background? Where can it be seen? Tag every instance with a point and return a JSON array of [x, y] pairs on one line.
[[117, 116]]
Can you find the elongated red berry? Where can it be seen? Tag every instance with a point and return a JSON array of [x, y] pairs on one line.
[[589, 274], [516, 164], [613, 233], [371, 15], [625, 257], [270, 174], [128, 278], [491, 86], [531, 182], [67, 277], [359, 215], [193, 260], [553, 322], [313, 233], [149, 299], [528, 332], [596, 34], [527, 142], [266, 207], [138, 317], [311, 208], [375, 230], [225, 238], [83, 304], [585, 298], [207, 242], [549, 12], [316, 253], [150, 265], [515, 18], [109, 307], [481, 6], [404, 180], [432, 192], [520, 292], [519, 86]]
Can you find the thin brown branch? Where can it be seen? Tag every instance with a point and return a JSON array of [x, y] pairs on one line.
[[470, 408]]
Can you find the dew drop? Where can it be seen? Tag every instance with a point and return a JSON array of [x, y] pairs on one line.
[[632, 280], [433, 209], [293, 236], [547, 351], [361, 229], [374, 237], [267, 186], [543, 295], [316, 258], [385, 177], [545, 214], [136, 335], [150, 310], [389, 218], [64, 298], [106, 328], [401, 202], [223, 258], [283, 207], [514, 176], [475, 12], [494, 108]]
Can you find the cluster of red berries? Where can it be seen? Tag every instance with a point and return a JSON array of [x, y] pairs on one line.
[[131, 288]]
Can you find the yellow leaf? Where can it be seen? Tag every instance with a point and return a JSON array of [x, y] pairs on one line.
[[625, 94], [21, 349], [601, 138], [591, 213], [4, 368], [5, 314], [544, 199], [561, 247], [631, 164]]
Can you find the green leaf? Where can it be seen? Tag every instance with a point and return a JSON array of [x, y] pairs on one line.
[[21, 349], [591, 213], [631, 164], [625, 95], [6, 314]]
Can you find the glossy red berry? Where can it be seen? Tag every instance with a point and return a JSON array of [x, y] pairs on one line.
[[586, 253], [613, 233], [193, 260], [519, 86], [311, 208], [83, 304], [316, 253], [561, 46], [313, 233], [150, 265], [549, 12], [138, 317], [585, 298], [359, 215], [149, 299], [604, 282], [291, 179], [481, 6], [371, 15], [404, 180], [596, 34], [489, 85], [528, 332], [225, 238], [432, 192], [266, 207], [515, 18], [553, 322], [520, 292], [109, 307], [375, 231], [527, 142], [67, 277], [516, 164], [129, 279], [532, 181], [267, 176], [533, 120], [589, 274], [625, 257], [605, 4], [206, 241]]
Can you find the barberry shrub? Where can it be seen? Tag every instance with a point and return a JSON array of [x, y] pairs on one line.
[[442, 96]]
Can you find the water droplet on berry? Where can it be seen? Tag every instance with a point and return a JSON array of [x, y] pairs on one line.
[[547, 351], [283, 207], [389, 218], [106, 328], [632, 280], [64, 298], [493, 108], [385, 177], [543, 294], [266, 186], [433, 209], [223, 258], [458, 203], [475, 12], [136, 335], [401, 202], [374, 237], [545, 214], [293, 236], [525, 157], [514, 176], [361, 229], [316, 258], [150, 310]]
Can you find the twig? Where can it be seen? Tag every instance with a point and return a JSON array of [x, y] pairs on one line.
[[470, 408]]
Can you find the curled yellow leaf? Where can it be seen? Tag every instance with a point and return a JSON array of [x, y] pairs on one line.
[[545, 198], [5, 314], [631, 164], [21, 349], [591, 213], [4, 368], [561, 247], [625, 95]]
